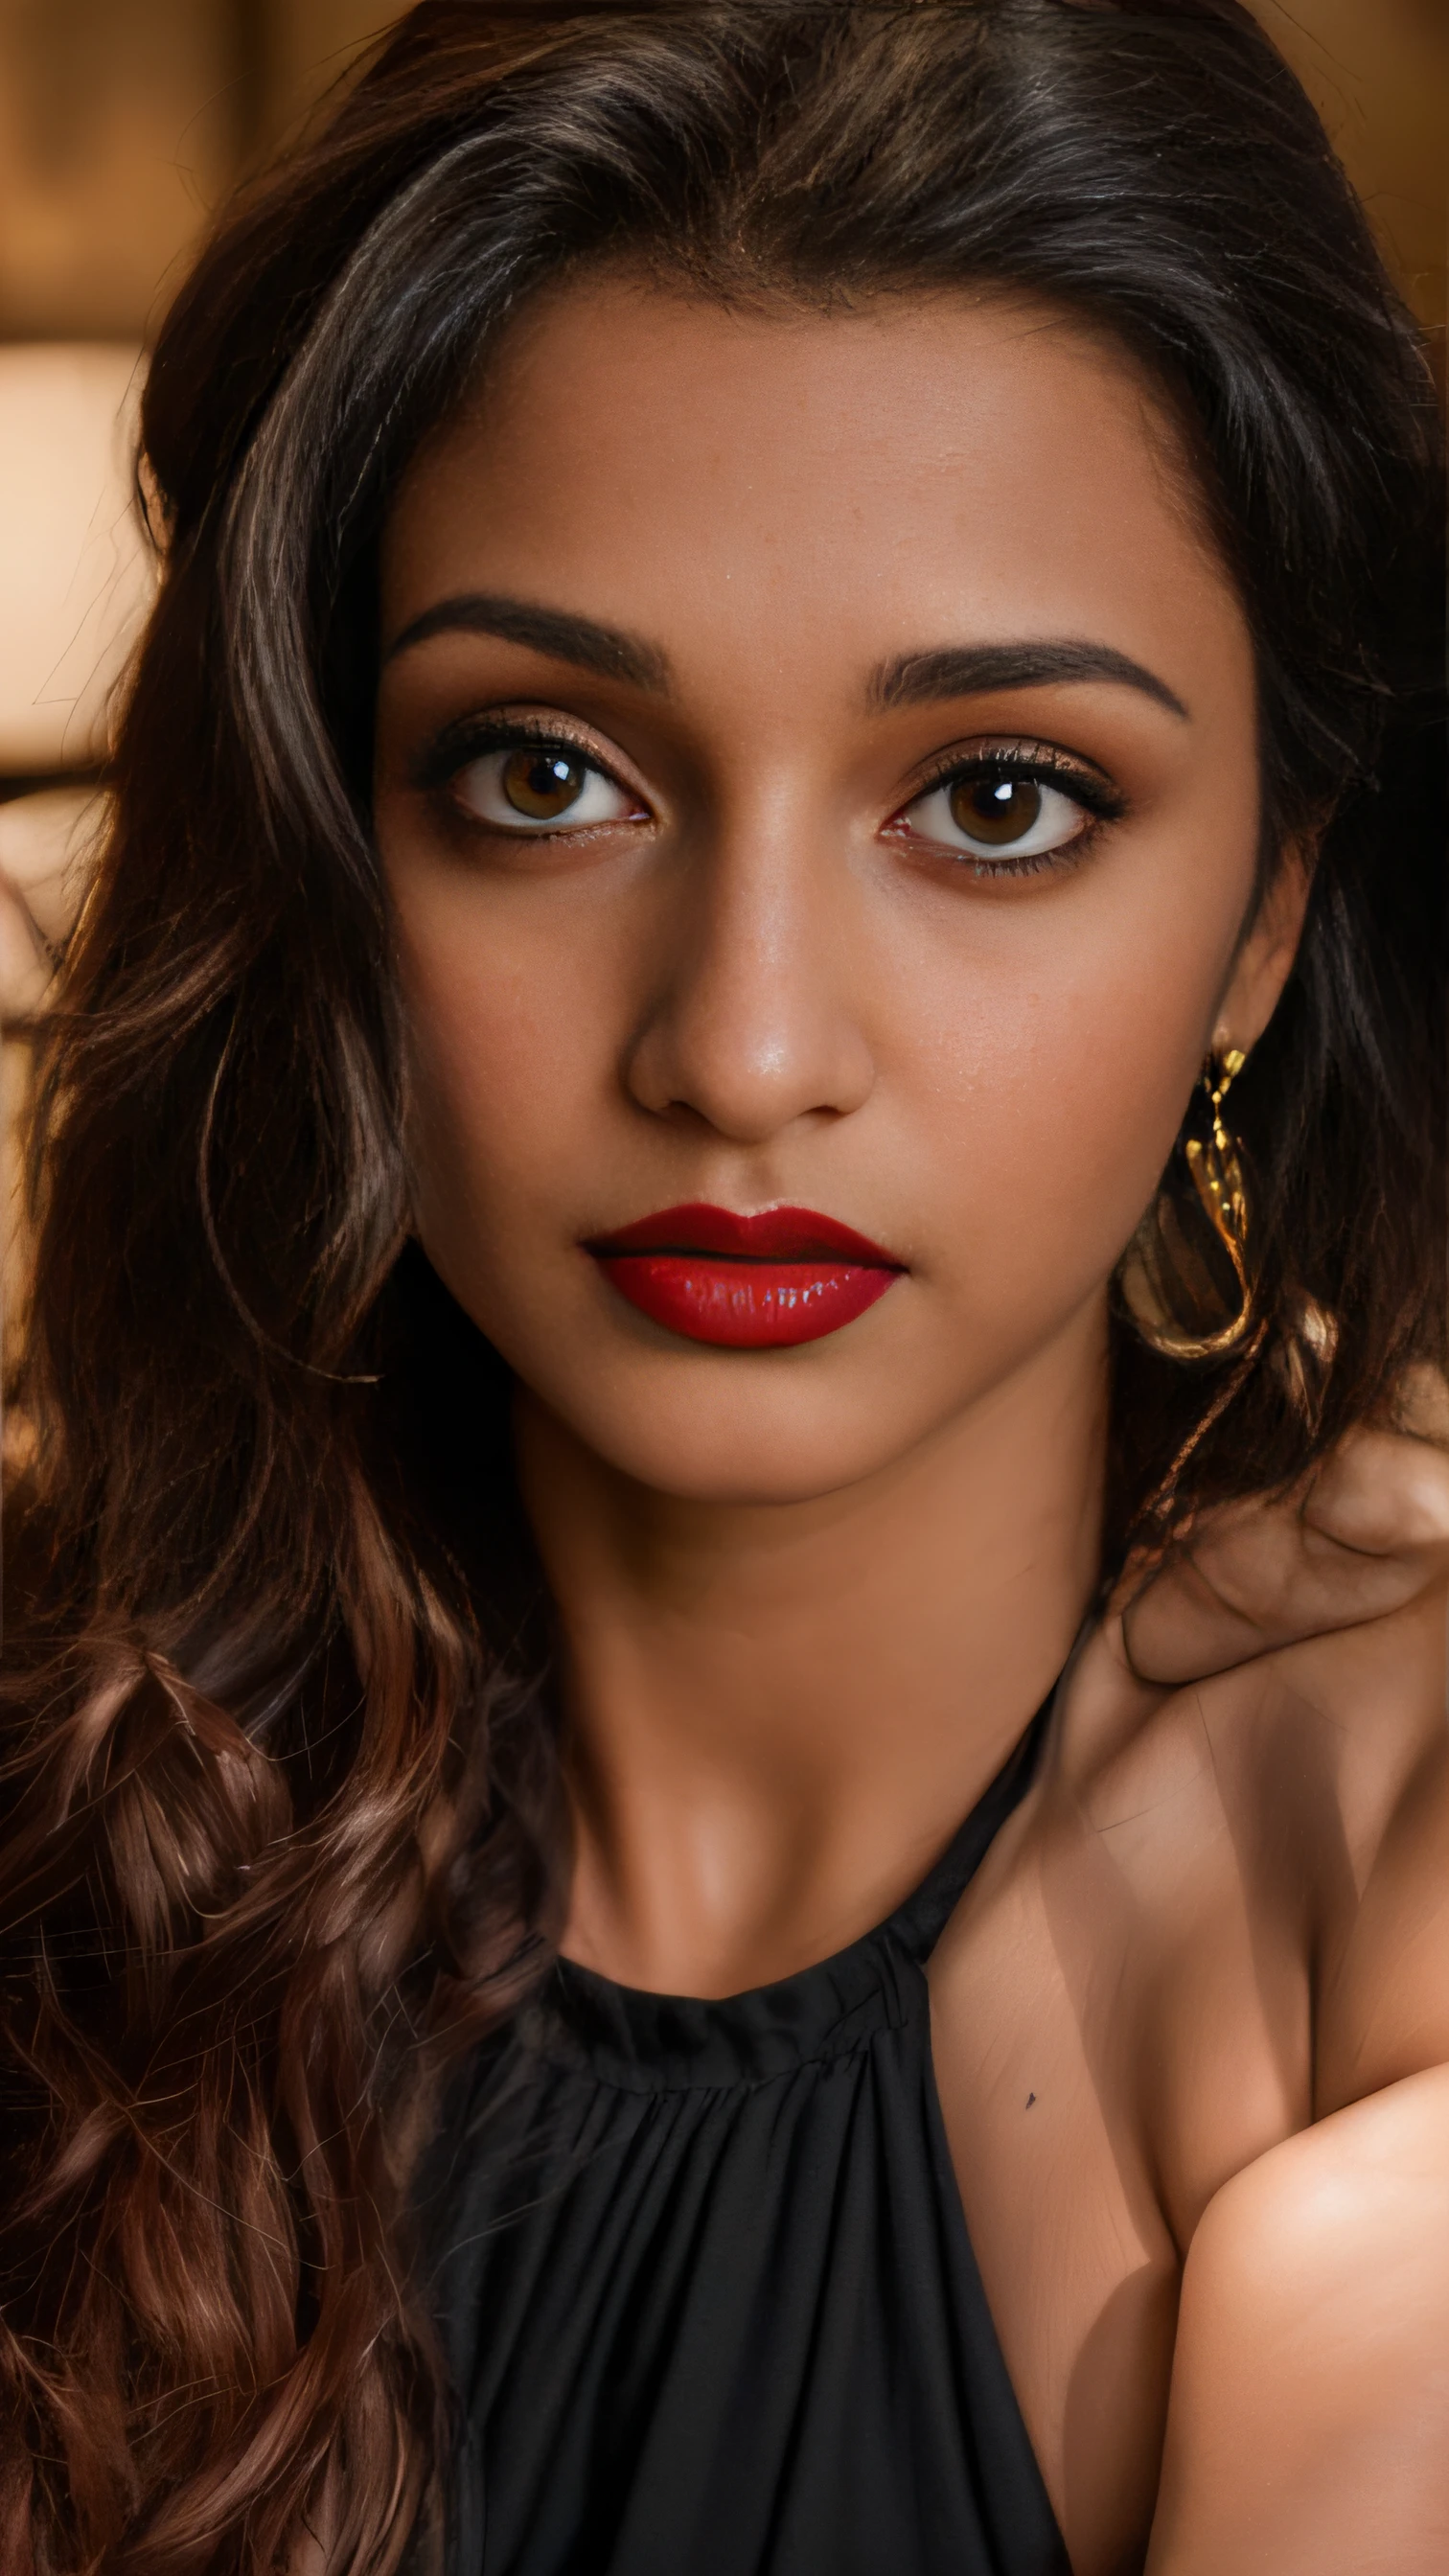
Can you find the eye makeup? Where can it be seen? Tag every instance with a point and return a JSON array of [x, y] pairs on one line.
[[1005, 806], [1010, 808], [1012, 756], [472, 738]]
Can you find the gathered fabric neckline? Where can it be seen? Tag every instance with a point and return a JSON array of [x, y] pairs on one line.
[[652, 2043]]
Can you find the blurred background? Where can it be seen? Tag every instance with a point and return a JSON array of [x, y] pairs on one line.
[[123, 123]]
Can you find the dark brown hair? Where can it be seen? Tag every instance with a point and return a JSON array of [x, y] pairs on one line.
[[281, 1787]]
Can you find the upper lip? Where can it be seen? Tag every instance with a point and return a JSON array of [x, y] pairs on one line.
[[774, 1234]]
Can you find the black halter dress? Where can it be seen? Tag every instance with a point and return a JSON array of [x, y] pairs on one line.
[[705, 2286]]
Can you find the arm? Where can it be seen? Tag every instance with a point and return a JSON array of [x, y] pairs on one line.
[[1308, 2431], [1309, 2425], [1309, 2419]]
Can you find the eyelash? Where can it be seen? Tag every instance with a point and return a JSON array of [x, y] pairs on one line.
[[471, 740], [1027, 762]]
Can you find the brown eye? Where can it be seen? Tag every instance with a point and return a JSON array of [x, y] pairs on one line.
[[997, 817], [541, 787], [542, 782], [998, 811]]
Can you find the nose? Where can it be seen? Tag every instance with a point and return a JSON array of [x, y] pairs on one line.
[[750, 1026]]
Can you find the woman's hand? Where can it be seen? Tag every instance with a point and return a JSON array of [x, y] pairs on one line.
[[1365, 1536]]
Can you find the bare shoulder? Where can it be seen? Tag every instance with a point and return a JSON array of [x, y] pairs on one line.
[[1324, 1763], [1181, 1940], [1293, 1810], [1220, 1917], [1279, 1837], [1362, 1705], [1383, 1971]]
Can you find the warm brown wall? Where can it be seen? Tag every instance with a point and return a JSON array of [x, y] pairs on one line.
[[119, 127], [122, 120], [1378, 73]]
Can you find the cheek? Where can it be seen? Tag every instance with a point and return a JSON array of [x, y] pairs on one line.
[[1033, 1058], [1050, 1080], [510, 1062]]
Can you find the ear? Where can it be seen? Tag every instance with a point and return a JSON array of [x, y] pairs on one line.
[[1262, 965]]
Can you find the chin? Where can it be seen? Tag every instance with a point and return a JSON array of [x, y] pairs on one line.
[[727, 1429], [750, 1465]]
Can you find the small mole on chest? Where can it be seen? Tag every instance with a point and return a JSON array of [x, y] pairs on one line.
[[1031, 2097]]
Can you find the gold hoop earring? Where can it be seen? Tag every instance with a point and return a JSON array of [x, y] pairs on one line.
[[1167, 1286]]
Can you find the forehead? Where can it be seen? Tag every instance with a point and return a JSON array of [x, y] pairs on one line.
[[818, 480]]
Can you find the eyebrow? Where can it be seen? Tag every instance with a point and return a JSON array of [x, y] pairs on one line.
[[606, 650], [963, 670], [911, 679]]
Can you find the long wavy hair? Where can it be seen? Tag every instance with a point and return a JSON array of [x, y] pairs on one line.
[[281, 1823]]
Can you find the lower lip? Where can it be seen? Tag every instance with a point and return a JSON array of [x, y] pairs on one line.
[[745, 1305]]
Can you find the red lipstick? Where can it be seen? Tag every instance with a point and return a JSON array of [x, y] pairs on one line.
[[745, 1283]]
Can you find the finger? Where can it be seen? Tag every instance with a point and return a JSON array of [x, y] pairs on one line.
[[1367, 1535], [1382, 1494]]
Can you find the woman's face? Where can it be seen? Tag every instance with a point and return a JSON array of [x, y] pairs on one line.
[[816, 771]]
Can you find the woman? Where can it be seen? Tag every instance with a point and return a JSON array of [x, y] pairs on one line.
[[795, 678]]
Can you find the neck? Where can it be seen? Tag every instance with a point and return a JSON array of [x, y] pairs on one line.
[[778, 1714]]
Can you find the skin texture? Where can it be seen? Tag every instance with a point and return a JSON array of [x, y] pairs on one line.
[[809, 1597], [1320, 2271], [1365, 1536]]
